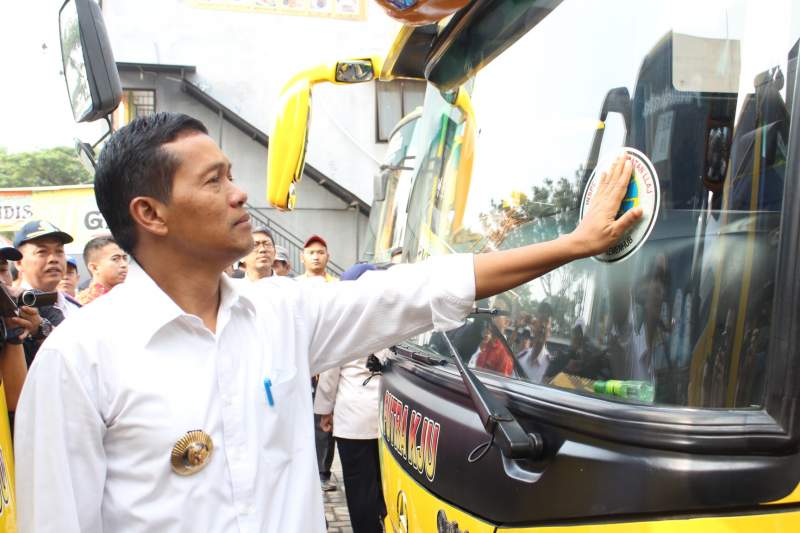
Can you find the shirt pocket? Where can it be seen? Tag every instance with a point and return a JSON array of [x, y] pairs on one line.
[[277, 428]]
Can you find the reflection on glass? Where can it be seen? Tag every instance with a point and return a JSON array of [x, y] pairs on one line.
[[686, 319], [387, 217], [73, 61]]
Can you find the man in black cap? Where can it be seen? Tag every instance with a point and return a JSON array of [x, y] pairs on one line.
[[41, 268]]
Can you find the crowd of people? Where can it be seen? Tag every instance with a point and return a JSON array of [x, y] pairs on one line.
[[36, 264]]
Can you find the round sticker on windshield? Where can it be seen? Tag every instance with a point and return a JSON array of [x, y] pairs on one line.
[[643, 191]]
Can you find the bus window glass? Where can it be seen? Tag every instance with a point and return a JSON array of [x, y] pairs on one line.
[[387, 216], [698, 91]]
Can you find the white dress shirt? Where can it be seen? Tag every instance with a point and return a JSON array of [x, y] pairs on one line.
[[535, 366], [354, 405], [119, 382]]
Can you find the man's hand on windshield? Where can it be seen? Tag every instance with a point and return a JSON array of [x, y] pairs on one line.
[[599, 229], [496, 272]]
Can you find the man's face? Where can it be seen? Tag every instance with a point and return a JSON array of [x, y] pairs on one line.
[[43, 263], [540, 329], [109, 265], [315, 258], [69, 283], [281, 268], [5, 273], [205, 216], [262, 255]]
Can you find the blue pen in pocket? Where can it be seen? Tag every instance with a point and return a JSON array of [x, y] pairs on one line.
[[268, 390]]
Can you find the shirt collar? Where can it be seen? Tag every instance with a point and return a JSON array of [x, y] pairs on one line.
[[328, 277], [156, 309]]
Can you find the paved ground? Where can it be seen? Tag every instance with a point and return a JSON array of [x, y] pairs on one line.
[[335, 504]]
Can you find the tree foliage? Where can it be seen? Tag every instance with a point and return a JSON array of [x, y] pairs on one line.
[[43, 168]]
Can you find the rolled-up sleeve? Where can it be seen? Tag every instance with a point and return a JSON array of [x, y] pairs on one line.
[[59, 456], [352, 319]]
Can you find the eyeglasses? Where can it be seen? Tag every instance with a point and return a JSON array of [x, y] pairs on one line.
[[264, 244]]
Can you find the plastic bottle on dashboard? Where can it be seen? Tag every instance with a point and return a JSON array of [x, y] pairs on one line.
[[640, 391]]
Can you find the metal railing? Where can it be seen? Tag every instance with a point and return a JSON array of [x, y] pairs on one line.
[[283, 237]]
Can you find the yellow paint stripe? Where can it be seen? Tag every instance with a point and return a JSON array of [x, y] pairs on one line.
[[738, 339]]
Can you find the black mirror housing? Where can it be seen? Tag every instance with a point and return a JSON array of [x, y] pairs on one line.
[[90, 72]]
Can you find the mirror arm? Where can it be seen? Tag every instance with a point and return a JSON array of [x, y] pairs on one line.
[[107, 134]]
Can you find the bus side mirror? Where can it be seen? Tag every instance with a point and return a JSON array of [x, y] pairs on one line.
[[91, 74], [287, 145], [289, 136]]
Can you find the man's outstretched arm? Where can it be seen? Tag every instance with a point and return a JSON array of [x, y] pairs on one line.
[[353, 318], [500, 271]]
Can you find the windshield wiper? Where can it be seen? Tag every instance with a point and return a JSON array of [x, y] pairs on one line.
[[514, 442]]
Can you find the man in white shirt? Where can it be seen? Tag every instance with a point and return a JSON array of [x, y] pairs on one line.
[[180, 401], [346, 402], [535, 359]]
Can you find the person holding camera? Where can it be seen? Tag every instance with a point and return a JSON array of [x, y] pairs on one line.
[[41, 268], [14, 328]]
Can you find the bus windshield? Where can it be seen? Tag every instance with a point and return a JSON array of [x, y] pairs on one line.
[[699, 94]]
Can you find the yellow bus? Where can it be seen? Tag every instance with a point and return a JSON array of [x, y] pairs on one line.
[[654, 387], [7, 505]]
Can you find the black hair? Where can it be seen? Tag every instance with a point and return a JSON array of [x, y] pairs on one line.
[[94, 245], [266, 232], [134, 163]]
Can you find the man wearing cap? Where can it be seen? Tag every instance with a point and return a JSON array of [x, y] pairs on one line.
[[281, 265], [8, 253], [194, 414], [108, 265], [69, 283], [41, 268], [315, 260]]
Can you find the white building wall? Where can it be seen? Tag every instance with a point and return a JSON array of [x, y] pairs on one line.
[[244, 58]]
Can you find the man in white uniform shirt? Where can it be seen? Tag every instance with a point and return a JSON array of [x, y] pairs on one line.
[[180, 401], [535, 359], [346, 401]]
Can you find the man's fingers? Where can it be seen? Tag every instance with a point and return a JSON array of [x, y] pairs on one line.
[[20, 322], [627, 220], [620, 184], [601, 185]]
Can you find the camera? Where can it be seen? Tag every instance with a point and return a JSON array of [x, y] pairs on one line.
[[9, 305], [34, 298]]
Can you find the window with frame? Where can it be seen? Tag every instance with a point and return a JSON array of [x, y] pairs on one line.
[[135, 103], [685, 319]]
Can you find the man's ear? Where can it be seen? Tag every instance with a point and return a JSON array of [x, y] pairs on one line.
[[149, 214], [91, 266]]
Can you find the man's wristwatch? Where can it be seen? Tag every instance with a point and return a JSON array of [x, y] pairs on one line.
[[45, 328]]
